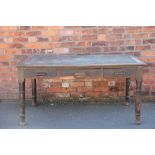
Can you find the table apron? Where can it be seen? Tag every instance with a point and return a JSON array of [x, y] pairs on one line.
[[99, 72]]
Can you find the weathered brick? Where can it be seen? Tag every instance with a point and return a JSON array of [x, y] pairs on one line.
[[24, 27], [4, 45], [33, 33], [148, 53], [66, 32], [88, 83], [149, 41], [67, 44], [20, 39], [37, 45], [60, 90], [54, 27], [134, 29], [76, 84], [93, 49], [145, 47], [101, 37], [8, 39], [149, 29], [39, 27], [99, 43], [8, 28], [66, 38], [17, 33], [5, 57], [41, 39], [89, 32], [76, 50], [118, 30], [16, 45], [89, 37], [60, 50]]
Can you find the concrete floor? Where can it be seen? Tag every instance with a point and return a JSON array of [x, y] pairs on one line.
[[101, 116]]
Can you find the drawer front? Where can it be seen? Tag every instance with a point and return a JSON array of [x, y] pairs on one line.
[[123, 72], [83, 72], [40, 72]]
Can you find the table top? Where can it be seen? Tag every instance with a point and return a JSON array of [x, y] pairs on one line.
[[80, 61]]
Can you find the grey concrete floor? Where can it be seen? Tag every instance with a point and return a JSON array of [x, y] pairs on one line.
[[82, 116]]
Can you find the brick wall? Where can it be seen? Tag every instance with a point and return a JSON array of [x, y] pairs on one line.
[[19, 40]]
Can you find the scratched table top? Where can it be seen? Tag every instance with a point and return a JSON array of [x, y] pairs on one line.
[[79, 60]]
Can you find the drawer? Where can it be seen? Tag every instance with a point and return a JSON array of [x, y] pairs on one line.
[[39, 72], [115, 72], [83, 72]]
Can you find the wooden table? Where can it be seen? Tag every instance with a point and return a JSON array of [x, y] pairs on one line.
[[88, 65]]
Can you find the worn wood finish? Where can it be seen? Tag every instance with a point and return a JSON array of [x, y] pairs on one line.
[[22, 102], [34, 92], [86, 65]]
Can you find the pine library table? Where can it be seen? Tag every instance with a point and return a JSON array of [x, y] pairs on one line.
[[98, 65]]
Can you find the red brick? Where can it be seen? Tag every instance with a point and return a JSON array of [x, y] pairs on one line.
[[89, 37], [33, 33], [99, 43], [60, 90], [93, 49], [50, 33], [66, 32], [39, 27], [133, 29], [24, 27], [101, 37], [60, 50], [41, 39], [16, 45], [149, 41], [17, 33], [84, 89], [67, 44], [54, 27], [118, 30], [13, 51], [146, 47], [1, 39], [76, 84], [76, 50], [148, 53], [36, 45], [149, 29], [21, 39], [102, 30], [8, 28], [4, 33], [89, 32], [66, 38], [5, 57], [3, 45]]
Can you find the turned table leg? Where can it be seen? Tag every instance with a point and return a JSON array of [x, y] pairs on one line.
[[127, 97], [138, 101], [34, 92], [138, 95], [22, 102]]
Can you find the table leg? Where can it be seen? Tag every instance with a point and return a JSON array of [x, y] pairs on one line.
[[22, 102], [138, 101], [34, 92], [127, 97]]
